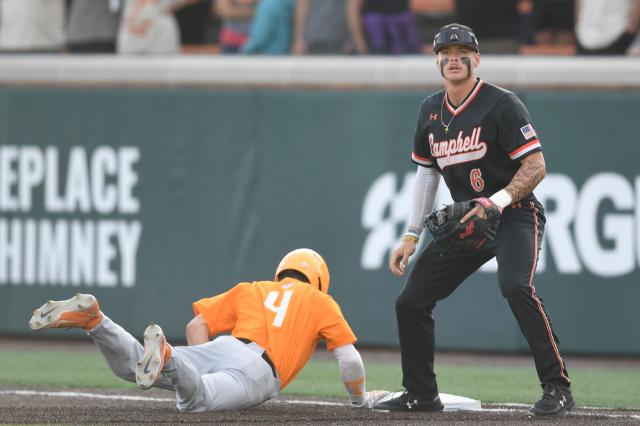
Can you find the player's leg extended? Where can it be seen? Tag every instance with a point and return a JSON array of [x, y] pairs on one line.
[[120, 349], [433, 277], [224, 374], [519, 239]]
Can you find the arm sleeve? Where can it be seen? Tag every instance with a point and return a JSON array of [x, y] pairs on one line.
[[421, 154], [517, 135], [425, 189], [219, 311], [333, 327], [352, 372]]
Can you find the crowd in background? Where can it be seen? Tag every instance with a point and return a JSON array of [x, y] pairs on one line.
[[316, 27]]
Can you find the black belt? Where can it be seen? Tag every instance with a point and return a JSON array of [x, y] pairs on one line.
[[265, 356]]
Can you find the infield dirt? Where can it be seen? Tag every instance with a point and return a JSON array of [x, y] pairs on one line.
[[46, 405], [52, 409]]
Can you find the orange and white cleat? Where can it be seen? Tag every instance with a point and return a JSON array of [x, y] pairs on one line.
[[81, 311], [156, 354]]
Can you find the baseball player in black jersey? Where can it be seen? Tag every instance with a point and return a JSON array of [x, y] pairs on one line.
[[480, 139]]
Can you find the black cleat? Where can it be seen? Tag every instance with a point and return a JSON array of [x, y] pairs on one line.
[[404, 401], [555, 400]]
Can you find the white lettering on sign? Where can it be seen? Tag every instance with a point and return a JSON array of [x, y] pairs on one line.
[[67, 217], [594, 228]]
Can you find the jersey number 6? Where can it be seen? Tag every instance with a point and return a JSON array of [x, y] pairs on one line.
[[280, 311], [477, 183]]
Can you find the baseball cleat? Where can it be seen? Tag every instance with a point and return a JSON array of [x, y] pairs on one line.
[[404, 401], [555, 400], [81, 311], [156, 354]]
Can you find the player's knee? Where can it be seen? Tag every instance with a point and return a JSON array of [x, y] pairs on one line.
[[400, 308], [407, 305], [511, 288], [403, 303]]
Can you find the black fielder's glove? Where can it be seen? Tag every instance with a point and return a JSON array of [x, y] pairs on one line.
[[455, 237]]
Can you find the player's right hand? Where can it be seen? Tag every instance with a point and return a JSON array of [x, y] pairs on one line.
[[400, 257]]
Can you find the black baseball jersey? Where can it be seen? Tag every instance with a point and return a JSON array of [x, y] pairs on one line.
[[488, 135], [478, 145]]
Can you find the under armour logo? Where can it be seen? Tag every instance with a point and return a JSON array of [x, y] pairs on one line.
[[453, 37], [411, 404], [562, 401], [433, 117]]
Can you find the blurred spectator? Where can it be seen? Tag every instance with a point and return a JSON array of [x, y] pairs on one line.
[[93, 26], [527, 23], [389, 26], [554, 21], [320, 27], [194, 21], [606, 27], [32, 26], [546, 22], [149, 27], [634, 50], [271, 29], [236, 16], [496, 27], [431, 15]]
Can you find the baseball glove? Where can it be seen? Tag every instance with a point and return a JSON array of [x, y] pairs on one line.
[[455, 237]]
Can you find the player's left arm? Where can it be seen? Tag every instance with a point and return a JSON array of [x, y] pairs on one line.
[[519, 139], [531, 172]]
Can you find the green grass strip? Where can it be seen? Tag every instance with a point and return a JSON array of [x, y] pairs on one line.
[[69, 369], [488, 384], [58, 368]]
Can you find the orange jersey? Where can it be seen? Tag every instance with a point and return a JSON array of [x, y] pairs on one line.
[[287, 318]]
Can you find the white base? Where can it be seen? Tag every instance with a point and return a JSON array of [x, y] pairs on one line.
[[450, 402], [459, 403]]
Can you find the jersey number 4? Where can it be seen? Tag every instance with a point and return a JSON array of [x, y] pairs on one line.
[[280, 311], [477, 183]]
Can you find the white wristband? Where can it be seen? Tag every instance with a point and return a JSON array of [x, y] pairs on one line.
[[501, 198]]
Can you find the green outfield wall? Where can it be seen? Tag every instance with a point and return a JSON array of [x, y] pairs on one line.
[[151, 199]]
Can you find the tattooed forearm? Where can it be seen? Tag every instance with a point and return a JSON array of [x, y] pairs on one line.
[[531, 172]]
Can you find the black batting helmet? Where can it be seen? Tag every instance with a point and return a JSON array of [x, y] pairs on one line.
[[455, 34]]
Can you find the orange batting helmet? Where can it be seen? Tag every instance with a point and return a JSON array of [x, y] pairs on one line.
[[308, 263]]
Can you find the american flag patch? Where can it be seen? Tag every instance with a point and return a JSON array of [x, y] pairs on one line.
[[528, 132]]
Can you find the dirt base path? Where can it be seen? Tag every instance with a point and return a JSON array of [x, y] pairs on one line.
[[85, 406], [21, 404]]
